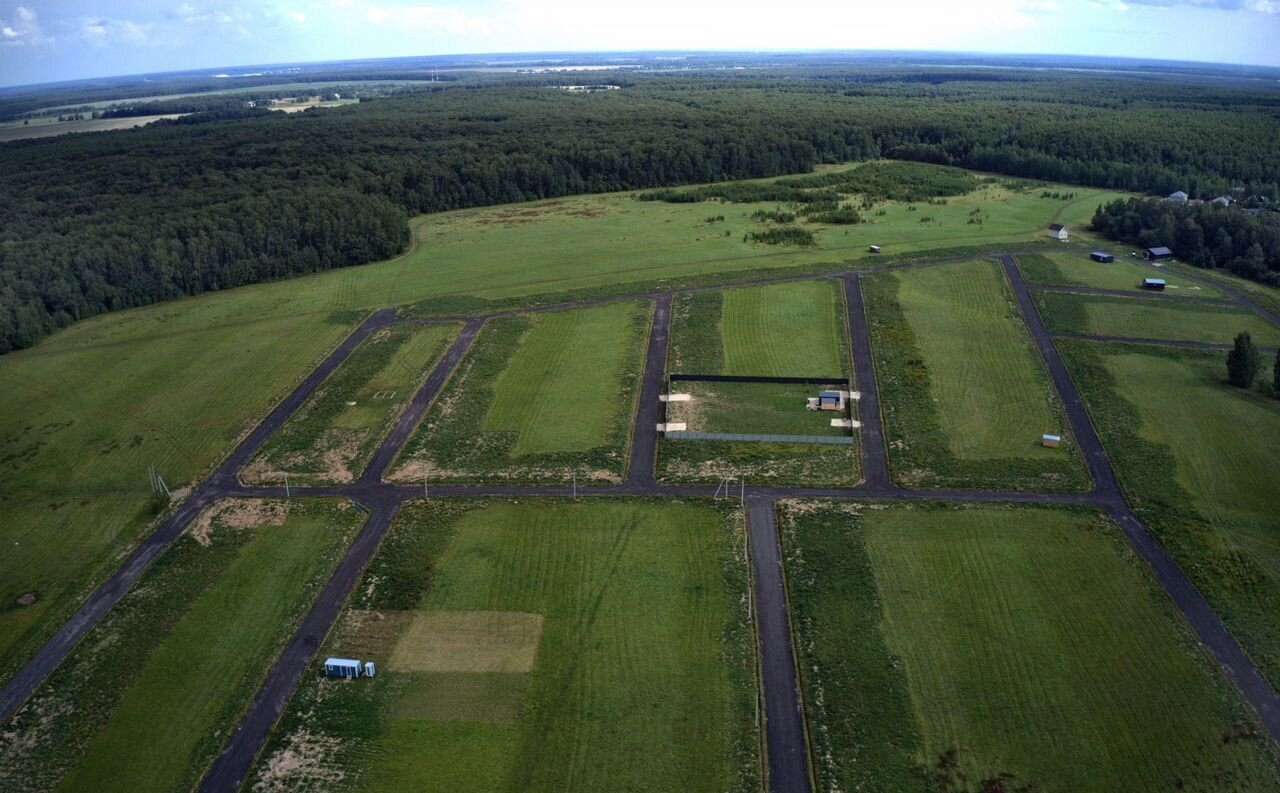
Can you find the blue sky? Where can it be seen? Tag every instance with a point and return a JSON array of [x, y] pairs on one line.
[[45, 40]]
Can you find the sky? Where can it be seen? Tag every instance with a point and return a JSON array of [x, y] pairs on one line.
[[50, 40]]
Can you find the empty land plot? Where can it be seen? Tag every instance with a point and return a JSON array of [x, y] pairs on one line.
[[80, 424], [964, 393], [998, 648], [537, 646], [146, 701], [538, 397], [1150, 319], [1077, 269], [1198, 459], [332, 436], [784, 330]]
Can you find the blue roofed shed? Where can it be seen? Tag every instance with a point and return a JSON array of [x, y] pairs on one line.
[[1052, 441], [1153, 283], [342, 667], [1099, 256]]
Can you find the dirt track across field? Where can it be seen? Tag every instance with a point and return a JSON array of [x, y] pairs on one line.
[[788, 757]]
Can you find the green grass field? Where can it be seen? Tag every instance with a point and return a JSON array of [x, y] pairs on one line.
[[965, 395], [80, 425], [87, 410], [537, 646], [1075, 268], [147, 700], [537, 398], [1197, 459], [788, 330], [330, 439], [999, 648], [763, 408], [1150, 319]]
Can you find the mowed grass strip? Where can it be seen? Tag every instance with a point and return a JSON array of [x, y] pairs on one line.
[[1020, 648], [642, 673], [560, 391], [1150, 319], [989, 384], [333, 435], [1125, 273], [1226, 441], [787, 330], [148, 699]]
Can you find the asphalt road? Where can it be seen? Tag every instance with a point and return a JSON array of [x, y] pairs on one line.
[[644, 437], [788, 758], [875, 460], [786, 747]]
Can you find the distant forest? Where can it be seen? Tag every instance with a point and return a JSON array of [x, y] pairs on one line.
[[100, 222]]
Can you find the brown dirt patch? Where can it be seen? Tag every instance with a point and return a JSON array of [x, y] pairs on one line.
[[302, 764], [28, 599], [239, 513]]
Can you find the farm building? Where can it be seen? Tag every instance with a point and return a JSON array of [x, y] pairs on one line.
[[828, 400], [1153, 283], [1052, 441], [873, 248], [1058, 232], [342, 667], [1177, 198], [1157, 254], [1099, 256], [1223, 201]]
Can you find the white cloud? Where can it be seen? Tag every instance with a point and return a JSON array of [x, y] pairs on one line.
[[297, 16], [103, 31], [23, 31]]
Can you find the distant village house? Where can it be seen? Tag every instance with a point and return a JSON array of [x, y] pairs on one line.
[[1058, 232]]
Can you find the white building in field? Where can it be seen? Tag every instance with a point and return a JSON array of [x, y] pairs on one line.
[[1058, 232], [1177, 198]]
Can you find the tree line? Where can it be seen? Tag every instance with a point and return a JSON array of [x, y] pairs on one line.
[[1203, 235], [99, 222]]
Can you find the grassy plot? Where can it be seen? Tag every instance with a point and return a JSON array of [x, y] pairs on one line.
[[80, 425], [1267, 297], [1197, 459], [784, 330], [332, 436], [1151, 319], [539, 397], [965, 395], [788, 330], [1077, 269], [996, 648], [755, 408], [533, 646], [148, 698]]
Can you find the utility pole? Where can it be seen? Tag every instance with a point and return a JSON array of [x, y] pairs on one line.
[[287, 494], [575, 485], [425, 492]]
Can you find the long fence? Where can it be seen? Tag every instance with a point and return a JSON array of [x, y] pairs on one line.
[[818, 440], [734, 378]]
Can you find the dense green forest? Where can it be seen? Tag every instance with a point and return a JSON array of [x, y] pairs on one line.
[[1204, 235], [99, 222]]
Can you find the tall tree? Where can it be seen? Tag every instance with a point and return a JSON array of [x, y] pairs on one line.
[[1242, 362]]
